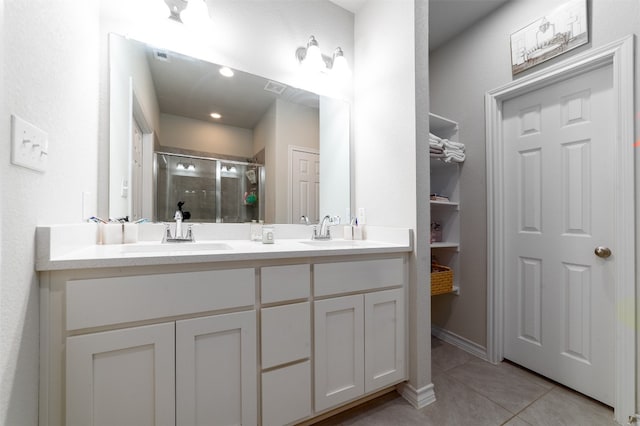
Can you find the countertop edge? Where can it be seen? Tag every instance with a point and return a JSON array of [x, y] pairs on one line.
[[135, 261]]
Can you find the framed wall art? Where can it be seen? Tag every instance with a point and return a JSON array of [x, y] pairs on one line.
[[563, 29]]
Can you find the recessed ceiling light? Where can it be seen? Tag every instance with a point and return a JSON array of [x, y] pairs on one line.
[[226, 71], [215, 115]]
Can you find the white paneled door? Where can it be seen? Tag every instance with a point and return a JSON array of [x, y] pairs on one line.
[[305, 185], [559, 288]]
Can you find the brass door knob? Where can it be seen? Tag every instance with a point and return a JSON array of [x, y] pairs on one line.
[[602, 252]]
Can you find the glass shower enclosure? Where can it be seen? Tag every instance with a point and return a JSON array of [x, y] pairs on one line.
[[213, 190]]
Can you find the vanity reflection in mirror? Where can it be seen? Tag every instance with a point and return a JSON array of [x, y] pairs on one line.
[[233, 146]]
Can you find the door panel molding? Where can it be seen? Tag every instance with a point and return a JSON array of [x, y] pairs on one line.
[[620, 55]]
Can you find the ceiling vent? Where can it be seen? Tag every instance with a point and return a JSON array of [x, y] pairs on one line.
[[275, 87], [161, 55]]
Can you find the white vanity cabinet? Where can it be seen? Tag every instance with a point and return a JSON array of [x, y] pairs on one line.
[[255, 342], [359, 338], [197, 369], [131, 377]]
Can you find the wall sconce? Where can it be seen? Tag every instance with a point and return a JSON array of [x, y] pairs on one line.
[[197, 10], [311, 57]]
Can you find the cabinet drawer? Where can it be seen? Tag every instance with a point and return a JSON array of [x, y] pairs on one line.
[[286, 394], [104, 301], [286, 332], [282, 283], [346, 277]]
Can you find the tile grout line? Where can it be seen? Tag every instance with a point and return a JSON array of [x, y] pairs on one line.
[[478, 393], [534, 401], [489, 399]]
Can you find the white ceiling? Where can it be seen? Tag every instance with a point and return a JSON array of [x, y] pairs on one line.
[[193, 88], [447, 18]]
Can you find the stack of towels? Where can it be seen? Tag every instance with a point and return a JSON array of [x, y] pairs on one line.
[[446, 150]]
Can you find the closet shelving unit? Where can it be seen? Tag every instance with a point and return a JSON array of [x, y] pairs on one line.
[[445, 179]]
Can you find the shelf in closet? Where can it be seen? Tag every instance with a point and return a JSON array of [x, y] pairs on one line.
[[445, 245], [435, 203], [445, 180], [440, 126]]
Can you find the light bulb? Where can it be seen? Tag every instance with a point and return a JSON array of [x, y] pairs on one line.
[[180, 166], [340, 67], [313, 57], [226, 71]]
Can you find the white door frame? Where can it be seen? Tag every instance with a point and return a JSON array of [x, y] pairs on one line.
[[620, 55]]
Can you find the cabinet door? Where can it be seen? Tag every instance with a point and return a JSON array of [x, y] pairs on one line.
[[339, 350], [122, 377], [384, 338], [216, 378]]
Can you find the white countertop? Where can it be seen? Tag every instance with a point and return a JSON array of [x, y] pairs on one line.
[[64, 247]]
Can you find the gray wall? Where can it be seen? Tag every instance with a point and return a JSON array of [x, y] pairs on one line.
[[460, 74]]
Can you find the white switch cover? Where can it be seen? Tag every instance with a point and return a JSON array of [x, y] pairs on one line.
[[29, 145]]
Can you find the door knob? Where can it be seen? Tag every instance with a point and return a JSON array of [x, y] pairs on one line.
[[602, 252]]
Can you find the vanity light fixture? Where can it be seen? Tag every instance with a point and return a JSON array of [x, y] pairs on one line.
[[184, 166], [226, 71], [215, 115], [193, 14], [175, 8], [311, 57]]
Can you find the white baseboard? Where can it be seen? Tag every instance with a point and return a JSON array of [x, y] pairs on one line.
[[418, 398], [462, 343]]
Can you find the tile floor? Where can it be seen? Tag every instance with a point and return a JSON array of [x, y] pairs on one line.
[[470, 391]]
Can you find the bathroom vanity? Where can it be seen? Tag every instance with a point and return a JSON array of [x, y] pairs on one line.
[[223, 332]]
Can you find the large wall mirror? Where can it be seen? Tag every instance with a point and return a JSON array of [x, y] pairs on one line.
[[274, 153]]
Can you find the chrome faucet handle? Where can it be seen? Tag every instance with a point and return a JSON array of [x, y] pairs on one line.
[[167, 233], [190, 234]]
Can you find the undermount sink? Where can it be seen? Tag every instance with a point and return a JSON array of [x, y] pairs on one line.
[[173, 247], [337, 243]]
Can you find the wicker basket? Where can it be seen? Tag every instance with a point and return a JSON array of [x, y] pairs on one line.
[[441, 279]]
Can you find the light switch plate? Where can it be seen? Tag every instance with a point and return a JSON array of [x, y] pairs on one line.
[[29, 145]]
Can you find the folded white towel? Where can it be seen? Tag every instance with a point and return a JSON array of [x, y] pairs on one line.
[[434, 137], [453, 156], [453, 145], [436, 143], [437, 155]]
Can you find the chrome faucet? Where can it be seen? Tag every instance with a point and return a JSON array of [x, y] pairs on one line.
[[304, 219], [178, 237], [178, 218], [325, 233]]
